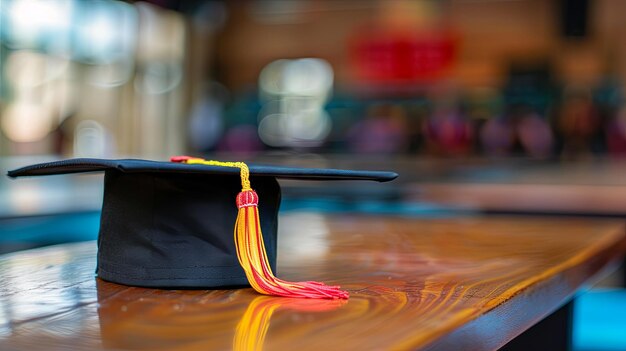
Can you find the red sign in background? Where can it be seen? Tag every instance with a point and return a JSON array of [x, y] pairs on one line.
[[403, 56]]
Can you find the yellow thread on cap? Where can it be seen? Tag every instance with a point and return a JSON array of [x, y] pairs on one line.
[[243, 169]]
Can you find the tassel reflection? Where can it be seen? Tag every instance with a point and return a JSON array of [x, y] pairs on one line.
[[252, 328]]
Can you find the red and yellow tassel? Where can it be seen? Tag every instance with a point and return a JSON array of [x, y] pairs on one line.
[[251, 248]]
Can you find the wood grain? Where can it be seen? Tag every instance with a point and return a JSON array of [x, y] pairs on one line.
[[462, 283], [526, 198]]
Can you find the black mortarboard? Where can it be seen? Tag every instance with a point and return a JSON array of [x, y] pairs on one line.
[[170, 224]]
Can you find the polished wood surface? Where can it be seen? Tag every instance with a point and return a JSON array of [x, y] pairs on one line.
[[584, 188], [451, 283], [526, 198]]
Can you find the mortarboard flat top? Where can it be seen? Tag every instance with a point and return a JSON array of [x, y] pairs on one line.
[[170, 225], [81, 165]]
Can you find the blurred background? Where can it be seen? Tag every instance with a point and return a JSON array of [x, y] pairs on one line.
[[529, 78], [512, 95]]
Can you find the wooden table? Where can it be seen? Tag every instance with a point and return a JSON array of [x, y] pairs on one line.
[[470, 283], [563, 199], [585, 188]]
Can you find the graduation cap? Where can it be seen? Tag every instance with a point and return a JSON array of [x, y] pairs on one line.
[[170, 224]]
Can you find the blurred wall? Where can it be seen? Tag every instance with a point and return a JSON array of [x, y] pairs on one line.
[[93, 78], [107, 78], [492, 34]]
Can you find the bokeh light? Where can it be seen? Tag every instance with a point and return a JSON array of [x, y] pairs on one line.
[[26, 122], [32, 23], [295, 93], [90, 140]]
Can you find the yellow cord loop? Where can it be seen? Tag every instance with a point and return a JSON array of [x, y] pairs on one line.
[[244, 172]]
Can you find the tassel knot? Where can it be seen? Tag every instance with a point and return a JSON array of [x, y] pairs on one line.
[[247, 198]]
